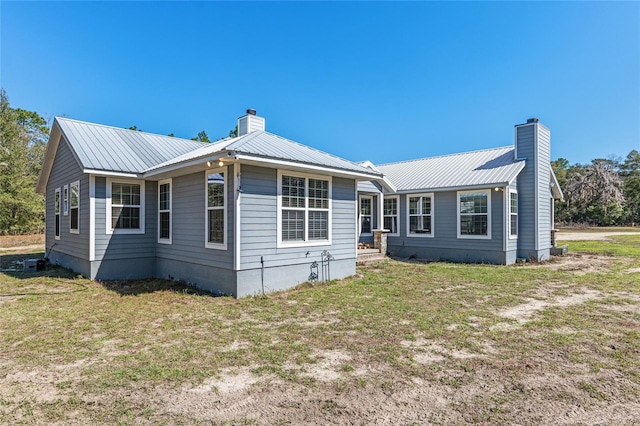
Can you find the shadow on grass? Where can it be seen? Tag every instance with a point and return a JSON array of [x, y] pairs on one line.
[[151, 285], [53, 277]]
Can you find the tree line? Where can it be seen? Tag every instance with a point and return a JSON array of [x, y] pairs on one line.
[[605, 192], [23, 143]]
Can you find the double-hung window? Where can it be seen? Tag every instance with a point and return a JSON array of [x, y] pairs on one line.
[[164, 211], [513, 214], [390, 213], [74, 208], [216, 211], [304, 209], [125, 207], [57, 214], [474, 214], [366, 216], [420, 215]]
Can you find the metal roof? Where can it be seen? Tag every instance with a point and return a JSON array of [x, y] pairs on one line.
[[265, 145], [101, 147], [113, 149], [470, 169], [368, 186]]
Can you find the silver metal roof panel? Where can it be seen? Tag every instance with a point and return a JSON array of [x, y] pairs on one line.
[[469, 169], [261, 144], [100, 147]]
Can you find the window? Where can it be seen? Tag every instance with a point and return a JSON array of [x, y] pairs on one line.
[[513, 214], [390, 213], [366, 208], [125, 207], [216, 210], [57, 213], [74, 201], [304, 205], [474, 214], [420, 215], [164, 211], [65, 200]]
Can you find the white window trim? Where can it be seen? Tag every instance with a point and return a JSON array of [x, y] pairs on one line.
[[397, 215], [170, 211], [109, 229], [307, 242], [76, 230], [64, 200], [509, 214], [360, 198], [408, 222], [57, 213], [207, 244], [487, 192]]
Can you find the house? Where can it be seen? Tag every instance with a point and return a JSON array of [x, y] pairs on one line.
[[489, 206], [259, 212], [239, 216]]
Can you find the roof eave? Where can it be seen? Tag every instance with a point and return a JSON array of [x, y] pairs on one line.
[[455, 188], [555, 187], [335, 171], [170, 168], [49, 157]]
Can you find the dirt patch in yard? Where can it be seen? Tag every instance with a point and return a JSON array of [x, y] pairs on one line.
[[580, 263], [492, 364]]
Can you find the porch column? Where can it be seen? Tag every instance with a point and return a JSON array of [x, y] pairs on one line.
[[381, 211], [380, 234]]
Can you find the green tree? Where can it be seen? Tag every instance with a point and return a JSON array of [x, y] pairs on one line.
[[594, 193], [22, 147], [202, 137], [560, 168], [630, 172]]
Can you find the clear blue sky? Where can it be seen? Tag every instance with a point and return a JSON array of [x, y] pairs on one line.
[[378, 81]]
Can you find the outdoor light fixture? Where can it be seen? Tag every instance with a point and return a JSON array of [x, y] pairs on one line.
[[208, 163], [220, 163]]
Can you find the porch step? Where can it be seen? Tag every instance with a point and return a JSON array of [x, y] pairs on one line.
[[369, 256]]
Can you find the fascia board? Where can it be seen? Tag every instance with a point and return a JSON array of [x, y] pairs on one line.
[[248, 159]]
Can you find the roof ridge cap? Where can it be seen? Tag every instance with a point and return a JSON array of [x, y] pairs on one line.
[[315, 149]]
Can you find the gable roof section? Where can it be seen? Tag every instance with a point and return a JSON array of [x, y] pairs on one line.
[[97, 147], [100, 147], [489, 167], [266, 147]]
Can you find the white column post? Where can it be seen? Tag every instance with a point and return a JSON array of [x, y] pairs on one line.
[[381, 211]]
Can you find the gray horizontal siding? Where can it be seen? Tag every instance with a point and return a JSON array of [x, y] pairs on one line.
[[64, 171], [544, 199], [189, 226], [124, 246], [533, 143], [259, 222], [445, 229]]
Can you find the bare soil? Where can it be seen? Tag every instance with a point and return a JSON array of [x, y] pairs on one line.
[[590, 236], [30, 241], [553, 388]]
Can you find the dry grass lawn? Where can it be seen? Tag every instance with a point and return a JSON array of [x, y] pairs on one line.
[[401, 343]]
